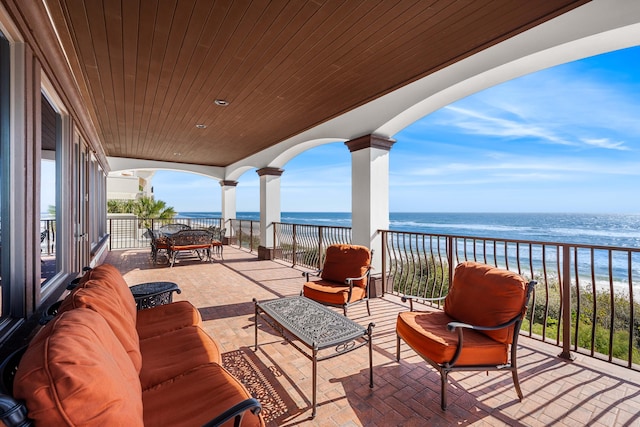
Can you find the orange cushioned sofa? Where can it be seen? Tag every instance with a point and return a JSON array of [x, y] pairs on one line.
[[100, 362]]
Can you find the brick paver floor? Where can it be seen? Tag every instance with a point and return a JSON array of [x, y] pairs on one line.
[[557, 392]]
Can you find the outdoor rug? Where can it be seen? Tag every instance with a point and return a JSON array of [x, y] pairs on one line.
[[260, 382]]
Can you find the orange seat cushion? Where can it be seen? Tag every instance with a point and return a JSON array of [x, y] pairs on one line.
[[166, 318], [103, 299], [331, 292], [346, 261], [177, 248], [170, 354], [427, 334], [75, 372], [486, 296], [191, 400]]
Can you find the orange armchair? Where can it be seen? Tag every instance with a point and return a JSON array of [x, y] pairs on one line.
[[479, 327], [344, 278]]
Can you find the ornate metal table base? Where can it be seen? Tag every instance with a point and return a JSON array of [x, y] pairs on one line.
[[151, 294], [316, 327]]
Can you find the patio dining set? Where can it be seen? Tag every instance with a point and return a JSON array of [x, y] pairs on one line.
[[176, 238]]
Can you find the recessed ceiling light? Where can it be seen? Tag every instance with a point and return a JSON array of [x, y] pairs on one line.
[[201, 126], [221, 102], [177, 154]]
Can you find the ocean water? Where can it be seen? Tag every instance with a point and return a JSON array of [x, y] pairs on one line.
[[621, 230], [606, 230]]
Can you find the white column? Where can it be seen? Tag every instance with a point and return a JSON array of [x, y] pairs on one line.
[[228, 203], [370, 192], [269, 208]]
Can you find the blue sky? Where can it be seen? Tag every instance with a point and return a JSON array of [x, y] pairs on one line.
[[565, 139]]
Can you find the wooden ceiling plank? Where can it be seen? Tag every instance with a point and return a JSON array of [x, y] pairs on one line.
[[130, 45], [95, 16], [163, 18], [78, 23], [254, 52], [144, 47], [169, 41], [172, 71], [149, 65], [114, 34]]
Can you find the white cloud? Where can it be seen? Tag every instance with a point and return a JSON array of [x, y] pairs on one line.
[[477, 123], [606, 143]]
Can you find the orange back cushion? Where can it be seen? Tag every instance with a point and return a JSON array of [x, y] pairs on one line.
[[344, 261], [486, 296], [75, 372], [104, 300], [111, 277]]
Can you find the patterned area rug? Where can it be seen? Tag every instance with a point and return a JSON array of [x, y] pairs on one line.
[[241, 366]]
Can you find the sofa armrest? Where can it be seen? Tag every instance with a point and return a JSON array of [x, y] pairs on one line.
[[13, 413], [237, 410]]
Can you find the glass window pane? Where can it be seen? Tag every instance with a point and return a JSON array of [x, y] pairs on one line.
[[49, 265], [4, 151]]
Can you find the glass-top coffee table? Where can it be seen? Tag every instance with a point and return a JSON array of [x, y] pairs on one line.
[[326, 333]]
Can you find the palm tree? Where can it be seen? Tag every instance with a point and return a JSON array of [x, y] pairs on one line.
[[148, 207], [120, 206]]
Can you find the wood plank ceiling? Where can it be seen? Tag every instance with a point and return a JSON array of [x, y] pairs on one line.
[[153, 68]]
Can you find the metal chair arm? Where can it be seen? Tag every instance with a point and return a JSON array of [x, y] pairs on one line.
[[237, 410], [452, 326], [461, 326], [349, 280], [308, 274]]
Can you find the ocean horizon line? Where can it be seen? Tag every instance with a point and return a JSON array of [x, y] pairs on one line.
[[441, 212]]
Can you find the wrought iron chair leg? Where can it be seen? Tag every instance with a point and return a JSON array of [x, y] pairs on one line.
[[516, 383], [397, 348], [368, 310], [443, 389], [344, 308]]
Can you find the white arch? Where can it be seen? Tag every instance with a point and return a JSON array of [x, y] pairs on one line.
[[122, 163], [237, 173], [277, 156], [596, 27]]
